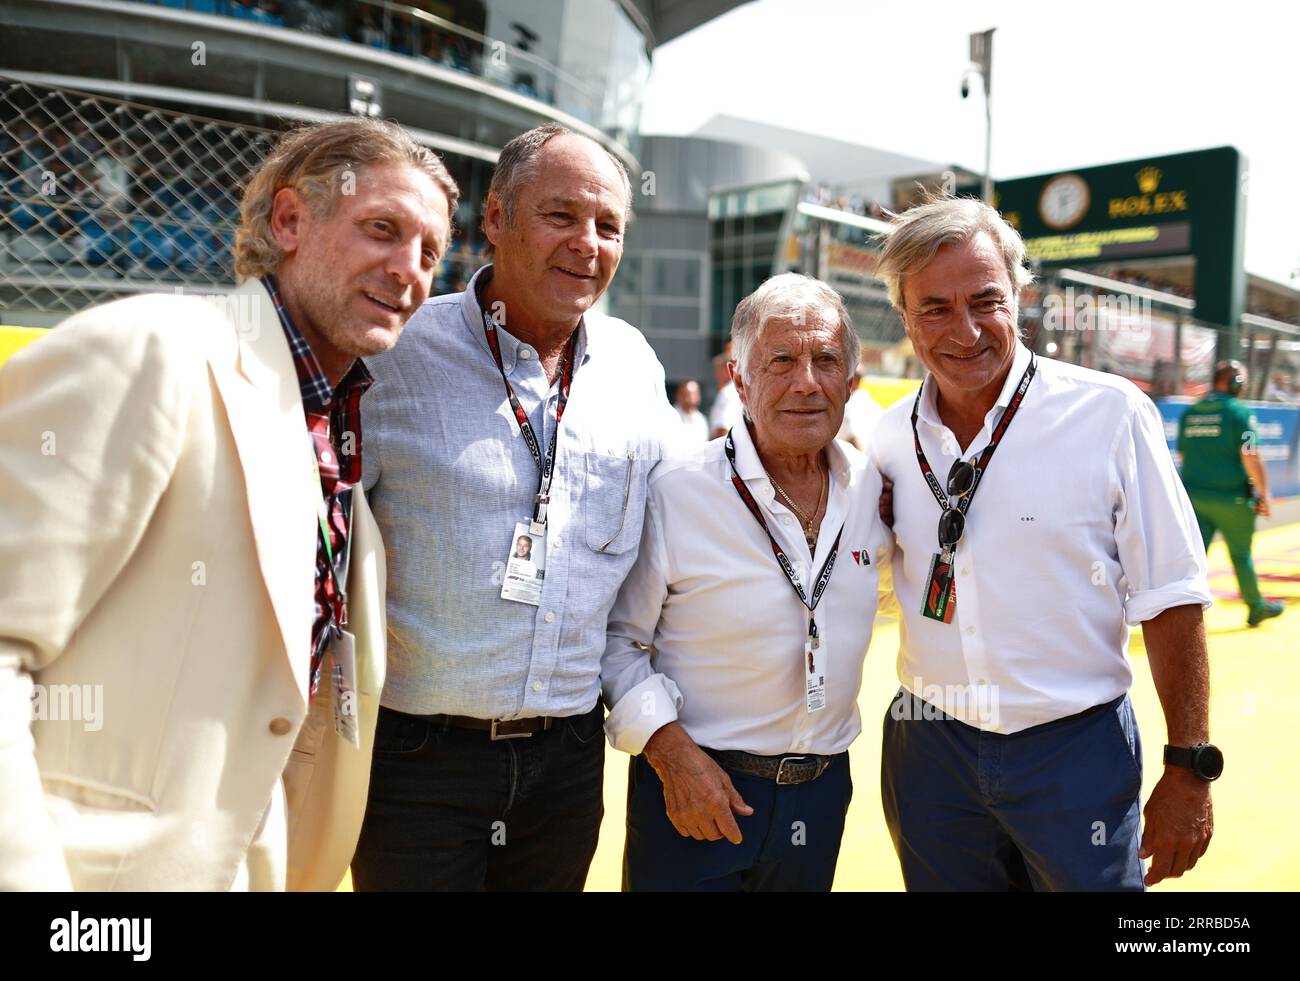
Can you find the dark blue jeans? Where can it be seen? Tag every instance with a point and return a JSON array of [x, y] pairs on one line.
[[791, 841], [1054, 807], [449, 809]]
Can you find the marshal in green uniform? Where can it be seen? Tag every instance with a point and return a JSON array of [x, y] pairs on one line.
[[1218, 439]]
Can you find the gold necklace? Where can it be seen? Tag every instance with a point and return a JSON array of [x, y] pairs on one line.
[[809, 533]]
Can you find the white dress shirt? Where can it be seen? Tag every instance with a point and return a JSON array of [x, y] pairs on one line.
[[861, 413], [448, 476], [1079, 528], [726, 627], [726, 410], [695, 428]]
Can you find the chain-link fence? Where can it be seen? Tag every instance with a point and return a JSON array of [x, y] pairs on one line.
[[100, 197]]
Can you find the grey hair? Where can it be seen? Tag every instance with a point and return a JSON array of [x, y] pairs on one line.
[[789, 295], [517, 165], [920, 232]]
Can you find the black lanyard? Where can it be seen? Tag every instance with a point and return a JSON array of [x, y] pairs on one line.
[[823, 577], [998, 432], [545, 465]]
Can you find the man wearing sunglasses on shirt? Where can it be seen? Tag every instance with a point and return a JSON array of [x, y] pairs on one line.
[[1038, 517]]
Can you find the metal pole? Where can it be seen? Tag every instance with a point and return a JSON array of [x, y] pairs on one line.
[[988, 142], [981, 55]]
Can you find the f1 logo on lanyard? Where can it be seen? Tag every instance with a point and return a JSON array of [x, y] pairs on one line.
[[940, 599]]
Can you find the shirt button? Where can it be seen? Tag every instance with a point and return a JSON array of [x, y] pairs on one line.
[[785, 519], [965, 570], [970, 630], [556, 543], [326, 456], [280, 727], [537, 686], [525, 354], [549, 616]]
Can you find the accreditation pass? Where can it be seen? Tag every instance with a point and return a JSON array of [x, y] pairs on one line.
[[526, 564], [814, 675]]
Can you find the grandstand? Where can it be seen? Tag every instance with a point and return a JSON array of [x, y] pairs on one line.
[[127, 127]]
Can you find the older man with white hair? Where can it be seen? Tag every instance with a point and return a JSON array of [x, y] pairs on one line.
[[1011, 756], [735, 648]]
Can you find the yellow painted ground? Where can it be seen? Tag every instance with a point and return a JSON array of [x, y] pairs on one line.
[[1254, 720], [13, 338]]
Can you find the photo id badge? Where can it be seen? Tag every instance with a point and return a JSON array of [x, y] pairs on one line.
[[814, 671], [526, 565], [343, 653], [940, 591]]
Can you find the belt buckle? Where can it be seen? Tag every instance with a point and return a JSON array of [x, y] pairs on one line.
[[780, 769], [495, 737]]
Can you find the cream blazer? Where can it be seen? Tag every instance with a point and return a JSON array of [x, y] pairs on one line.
[[157, 550]]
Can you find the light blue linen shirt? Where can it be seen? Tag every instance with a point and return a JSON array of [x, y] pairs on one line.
[[448, 476]]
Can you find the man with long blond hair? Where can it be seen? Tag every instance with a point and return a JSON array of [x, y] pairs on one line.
[[184, 539]]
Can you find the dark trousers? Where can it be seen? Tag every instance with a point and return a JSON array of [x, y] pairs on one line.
[[449, 809], [1236, 519], [791, 841], [1054, 807]]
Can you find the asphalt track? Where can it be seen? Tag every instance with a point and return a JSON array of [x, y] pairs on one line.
[[1255, 678]]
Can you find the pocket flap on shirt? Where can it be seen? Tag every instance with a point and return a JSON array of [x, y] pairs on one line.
[[613, 504]]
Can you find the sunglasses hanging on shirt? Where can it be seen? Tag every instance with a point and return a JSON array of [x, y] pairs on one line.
[[940, 599]]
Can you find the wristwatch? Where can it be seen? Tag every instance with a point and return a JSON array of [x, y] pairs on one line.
[[1202, 759]]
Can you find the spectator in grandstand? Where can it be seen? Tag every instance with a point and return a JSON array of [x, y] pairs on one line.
[[861, 413], [1011, 753], [112, 177], [489, 764], [1226, 478], [368, 31], [686, 400], [180, 517], [731, 672]]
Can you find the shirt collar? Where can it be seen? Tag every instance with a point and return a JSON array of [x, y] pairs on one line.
[[473, 316], [317, 394], [928, 411], [750, 466]]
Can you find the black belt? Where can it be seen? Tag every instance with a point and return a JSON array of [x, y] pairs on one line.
[[495, 728], [785, 770]]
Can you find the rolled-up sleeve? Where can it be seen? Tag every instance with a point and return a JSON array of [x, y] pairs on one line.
[[641, 701], [1156, 534]]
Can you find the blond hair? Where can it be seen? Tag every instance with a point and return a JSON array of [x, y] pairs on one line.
[[920, 232], [316, 160]]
